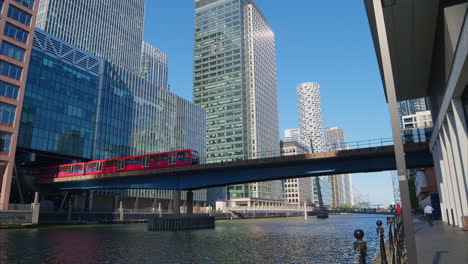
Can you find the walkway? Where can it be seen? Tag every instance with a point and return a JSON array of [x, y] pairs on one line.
[[440, 244]]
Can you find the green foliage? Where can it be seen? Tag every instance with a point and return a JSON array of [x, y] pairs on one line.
[[347, 207], [412, 193]]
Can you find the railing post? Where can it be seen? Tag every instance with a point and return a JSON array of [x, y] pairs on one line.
[[380, 231], [360, 246], [390, 238]]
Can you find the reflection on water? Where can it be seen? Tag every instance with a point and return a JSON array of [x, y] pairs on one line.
[[276, 240]]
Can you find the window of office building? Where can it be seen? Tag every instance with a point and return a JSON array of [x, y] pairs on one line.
[[15, 33], [9, 90], [12, 51], [7, 114], [10, 70], [5, 142], [19, 15], [27, 3]]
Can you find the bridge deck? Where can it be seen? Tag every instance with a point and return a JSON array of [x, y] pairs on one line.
[[323, 163]]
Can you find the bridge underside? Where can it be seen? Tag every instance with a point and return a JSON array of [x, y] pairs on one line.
[[200, 178]]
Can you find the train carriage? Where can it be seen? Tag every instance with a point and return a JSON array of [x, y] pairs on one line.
[[143, 162], [66, 170]]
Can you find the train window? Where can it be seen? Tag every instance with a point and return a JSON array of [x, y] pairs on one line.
[[144, 162], [172, 158], [121, 165], [180, 155], [70, 170], [99, 166], [91, 166]]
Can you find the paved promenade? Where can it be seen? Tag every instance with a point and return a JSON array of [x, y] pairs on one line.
[[440, 244]]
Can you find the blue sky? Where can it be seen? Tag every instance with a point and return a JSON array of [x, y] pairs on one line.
[[328, 42]]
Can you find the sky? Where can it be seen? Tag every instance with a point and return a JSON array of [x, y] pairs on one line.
[[328, 42]]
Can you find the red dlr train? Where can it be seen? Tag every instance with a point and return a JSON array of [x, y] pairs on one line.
[[142, 162]]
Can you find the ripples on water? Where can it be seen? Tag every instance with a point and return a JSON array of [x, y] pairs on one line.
[[275, 240]]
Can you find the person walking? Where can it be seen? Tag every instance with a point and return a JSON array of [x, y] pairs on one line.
[[428, 213]]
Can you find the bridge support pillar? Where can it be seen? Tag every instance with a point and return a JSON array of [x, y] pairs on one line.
[[189, 203], [69, 212], [115, 202], [90, 200], [121, 211], [176, 202], [36, 208], [135, 204]]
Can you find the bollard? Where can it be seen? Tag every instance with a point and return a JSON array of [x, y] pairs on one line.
[[390, 238], [380, 231], [360, 246]]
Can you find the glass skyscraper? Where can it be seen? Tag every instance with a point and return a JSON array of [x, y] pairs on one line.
[[99, 110], [154, 65], [235, 82], [112, 30], [86, 108]]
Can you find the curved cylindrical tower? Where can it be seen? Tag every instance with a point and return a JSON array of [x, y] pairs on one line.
[[310, 116]]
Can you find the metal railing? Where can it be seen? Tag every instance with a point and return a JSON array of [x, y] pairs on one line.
[[396, 242], [371, 143], [19, 207]]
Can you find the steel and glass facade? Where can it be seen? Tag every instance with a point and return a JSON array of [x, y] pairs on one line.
[[17, 20], [112, 30], [79, 105], [235, 82], [154, 65]]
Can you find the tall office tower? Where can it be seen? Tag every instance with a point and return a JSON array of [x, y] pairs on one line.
[[334, 138], [296, 191], [411, 107], [310, 116], [17, 20], [154, 65], [342, 184], [112, 30], [292, 134], [235, 82], [310, 121]]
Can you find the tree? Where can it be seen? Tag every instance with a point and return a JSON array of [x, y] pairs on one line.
[[412, 192]]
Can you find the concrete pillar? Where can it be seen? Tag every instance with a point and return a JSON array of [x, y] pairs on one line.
[[461, 126], [452, 176], [459, 174], [69, 211], [90, 200], [75, 200], [5, 183], [305, 211], [36, 206], [159, 210], [447, 176], [121, 211], [445, 179], [176, 202], [189, 203], [115, 203], [135, 204], [388, 78], [442, 193]]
